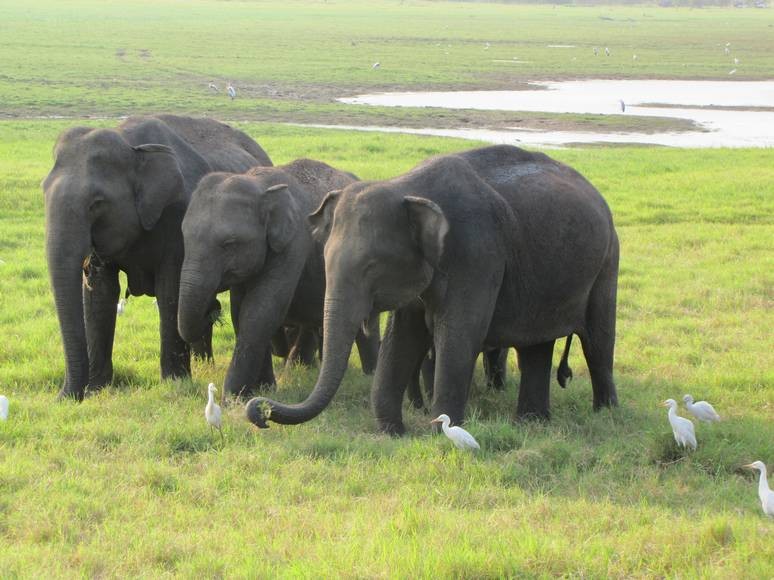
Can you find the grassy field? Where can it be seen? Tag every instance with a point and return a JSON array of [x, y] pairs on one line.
[[290, 60], [131, 483]]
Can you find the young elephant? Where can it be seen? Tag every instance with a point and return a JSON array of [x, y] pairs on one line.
[[115, 199], [503, 246], [248, 233]]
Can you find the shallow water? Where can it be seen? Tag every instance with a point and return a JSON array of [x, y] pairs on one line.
[[675, 99]]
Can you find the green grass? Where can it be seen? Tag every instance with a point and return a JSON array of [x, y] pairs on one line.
[[130, 483], [289, 60]]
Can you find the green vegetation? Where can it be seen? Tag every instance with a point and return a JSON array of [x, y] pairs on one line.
[[131, 483], [290, 60]]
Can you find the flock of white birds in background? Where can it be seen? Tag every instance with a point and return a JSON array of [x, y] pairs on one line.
[[682, 428], [230, 90]]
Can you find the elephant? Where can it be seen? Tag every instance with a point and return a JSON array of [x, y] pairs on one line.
[[502, 247], [115, 200], [248, 233]]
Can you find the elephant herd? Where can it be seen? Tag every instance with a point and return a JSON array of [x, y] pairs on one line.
[[477, 251]]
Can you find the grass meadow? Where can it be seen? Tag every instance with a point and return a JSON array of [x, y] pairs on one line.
[[130, 483]]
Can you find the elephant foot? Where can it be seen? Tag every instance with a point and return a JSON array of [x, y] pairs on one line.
[[608, 401], [70, 394], [392, 428]]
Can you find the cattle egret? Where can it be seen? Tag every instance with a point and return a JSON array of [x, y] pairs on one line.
[[461, 438], [623, 105], [214, 88], [607, 51], [231, 91], [681, 428], [596, 51], [764, 492], [726, 50], [732, 71], [375, 65], [702, 410], [212, 411], [121, 306], [736, 60], [634, 57], [486, 46], [3, 408]]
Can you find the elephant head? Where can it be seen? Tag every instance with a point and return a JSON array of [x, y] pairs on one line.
[[101, 194], [383, 248], [232, 224]]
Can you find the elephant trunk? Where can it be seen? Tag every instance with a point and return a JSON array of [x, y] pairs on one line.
[[195, 303], [66, 251], [340, 325]]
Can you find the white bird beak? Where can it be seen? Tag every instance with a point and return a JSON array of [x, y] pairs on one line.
[[434, 421], [749, 466]]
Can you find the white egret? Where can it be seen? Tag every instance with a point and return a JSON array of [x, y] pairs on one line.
[[212, 411], [375, 65], [764, 492], [596, 51], [486, 46], [214, 88], [682, 428], [231, 91], [623, 105], [634, 57], [3, 408], [607, 51], [461, 438], [121, 306], [702, 410], [732, 71]]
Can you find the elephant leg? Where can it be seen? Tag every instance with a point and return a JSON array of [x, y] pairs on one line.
[[175, 352], [598, 338], [202, 349], [406, 339], [428, 372], [414, 390], [280, 345], [535, 367], [496, 367], [99, 310], [304, 349], [368, 345]]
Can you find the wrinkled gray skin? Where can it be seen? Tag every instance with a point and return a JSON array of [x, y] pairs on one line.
[[115, 200], [249, 233], [504, 248]]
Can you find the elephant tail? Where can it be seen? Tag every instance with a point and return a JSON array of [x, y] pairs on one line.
[[564, 372]]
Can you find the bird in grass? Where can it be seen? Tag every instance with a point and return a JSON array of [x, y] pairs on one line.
[[3, 408], [702, 410], [375, 65], [214, 88], [607, 51], [736, 60], [682, 428], [732, 71], [596, 51], [634, 57], [231, 91], [212, 411], [461, 438], [764, 492], [121, 306], [623, 105], [486, 46]]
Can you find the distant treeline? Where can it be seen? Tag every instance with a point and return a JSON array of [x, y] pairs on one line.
[[662, 3]]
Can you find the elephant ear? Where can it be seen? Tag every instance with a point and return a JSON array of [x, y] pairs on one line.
[[428, 227], [158, 183], [322, 218], [281, 216]]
